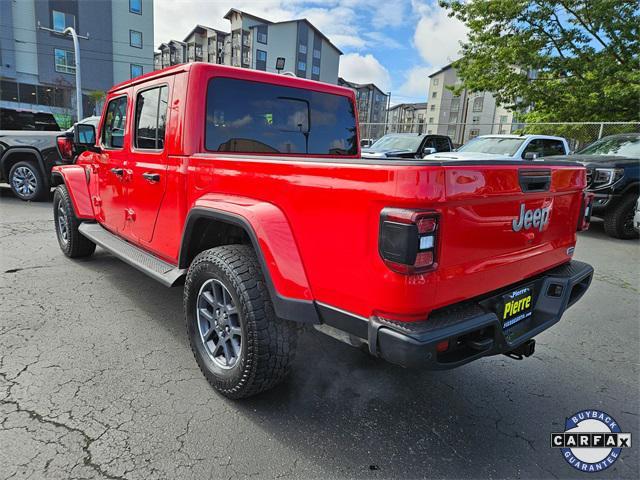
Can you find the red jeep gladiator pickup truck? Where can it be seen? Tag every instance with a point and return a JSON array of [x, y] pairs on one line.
[[249, 188]]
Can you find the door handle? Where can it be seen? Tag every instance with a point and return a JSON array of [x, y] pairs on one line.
[[117, 171], [151, 177]]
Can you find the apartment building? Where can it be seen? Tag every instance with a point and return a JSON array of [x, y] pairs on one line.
[[466, 115], [257, 43], [37, 67], [372, 106], [407, 118]]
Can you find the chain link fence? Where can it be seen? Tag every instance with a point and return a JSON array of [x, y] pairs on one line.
[[578, 134]]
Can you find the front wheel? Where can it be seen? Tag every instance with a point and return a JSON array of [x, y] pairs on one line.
[[72, 243], [240, 345], [618, 222]]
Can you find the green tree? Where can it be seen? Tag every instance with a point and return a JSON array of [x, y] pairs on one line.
[[556, 60]]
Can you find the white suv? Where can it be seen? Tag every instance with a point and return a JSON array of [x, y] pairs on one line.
[[507, 147]]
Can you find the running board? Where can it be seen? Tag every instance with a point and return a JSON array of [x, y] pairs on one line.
[[157, 269]]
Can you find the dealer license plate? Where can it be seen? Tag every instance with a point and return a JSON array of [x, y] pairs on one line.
[[516, 306]]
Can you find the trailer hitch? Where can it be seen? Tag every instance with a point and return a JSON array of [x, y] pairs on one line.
[[524, 350]]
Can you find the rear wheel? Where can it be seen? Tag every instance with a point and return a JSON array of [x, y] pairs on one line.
[[26, 181], [618, 222], [240, 345], [72, 243]]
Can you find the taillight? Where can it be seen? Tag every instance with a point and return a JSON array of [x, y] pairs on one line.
[[65, 147], [408, 239], [585, 211]]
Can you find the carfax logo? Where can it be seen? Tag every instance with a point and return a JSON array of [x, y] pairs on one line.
[[592, 441]]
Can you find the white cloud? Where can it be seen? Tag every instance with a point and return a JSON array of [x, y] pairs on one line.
[[416, 83], [437, 37], [364, 69]]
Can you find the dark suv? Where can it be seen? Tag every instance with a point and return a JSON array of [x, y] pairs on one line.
[[408, 145], [613, 175]]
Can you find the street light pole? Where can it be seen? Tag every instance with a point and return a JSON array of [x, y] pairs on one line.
[[76, 52]]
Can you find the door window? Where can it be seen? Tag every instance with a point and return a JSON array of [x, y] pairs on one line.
[[115, 123], [442, 145], [151, 118]]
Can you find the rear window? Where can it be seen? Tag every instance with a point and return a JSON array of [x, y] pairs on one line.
[[252, 117], [11, 119]]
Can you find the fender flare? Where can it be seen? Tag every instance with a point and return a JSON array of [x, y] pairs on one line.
[[28, 150], [75, 179], [279, 275]]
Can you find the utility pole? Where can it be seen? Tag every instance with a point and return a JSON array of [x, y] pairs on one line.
[[76, 52]]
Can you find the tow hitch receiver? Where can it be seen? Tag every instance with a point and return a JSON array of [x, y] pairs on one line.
[[524, 350]]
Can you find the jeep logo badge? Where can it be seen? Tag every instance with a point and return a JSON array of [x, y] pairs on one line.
[[537, 218]]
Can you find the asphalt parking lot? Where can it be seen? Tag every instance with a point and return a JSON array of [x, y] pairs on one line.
[[97, 381]]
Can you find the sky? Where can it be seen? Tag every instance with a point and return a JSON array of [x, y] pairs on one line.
[[395, 44]]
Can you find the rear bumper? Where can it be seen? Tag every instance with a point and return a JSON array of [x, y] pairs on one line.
[[472, 328]]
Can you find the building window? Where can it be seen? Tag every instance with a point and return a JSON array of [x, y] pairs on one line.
[[475, 119], [436, 81], [302, 66], [434, 94], [430, 119], [262, 37], [302, 48], [261, 55], [61, 20], [503, 118], [136, 70], [135, 6], [135, 38], [455, 104], [316, 53], [65, 61], [478, 102], [453, 118], [432, 108], [315, 70], [451, 130], [474, 132]]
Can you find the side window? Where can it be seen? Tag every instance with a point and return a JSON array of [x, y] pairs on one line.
[[151, 118], [442, 145], [535, 146], [115, 123], [430, 143], [552, 147]]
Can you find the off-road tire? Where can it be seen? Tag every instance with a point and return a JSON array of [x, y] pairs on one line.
[[18, 170], [268, 343], [618, 222], [75, 245]]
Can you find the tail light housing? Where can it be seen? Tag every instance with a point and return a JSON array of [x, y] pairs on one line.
[[408, 240], [584, 219], [65, 147]]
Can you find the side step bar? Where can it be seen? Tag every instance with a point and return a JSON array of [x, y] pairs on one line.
[[157, 269]]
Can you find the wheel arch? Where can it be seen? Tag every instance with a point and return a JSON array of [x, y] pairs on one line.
[[76, 179], [13, 155], [208, 227]]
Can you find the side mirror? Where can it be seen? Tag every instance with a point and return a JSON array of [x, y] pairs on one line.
[[84, 135], [428, 151], [530, 156]]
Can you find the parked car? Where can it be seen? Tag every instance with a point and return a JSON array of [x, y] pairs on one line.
[[27, 157], [271, 226], [636, 217], [408, 145], [507, 147], [613, 175]]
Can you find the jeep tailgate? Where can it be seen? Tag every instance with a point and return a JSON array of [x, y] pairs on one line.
[[481, 248]]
